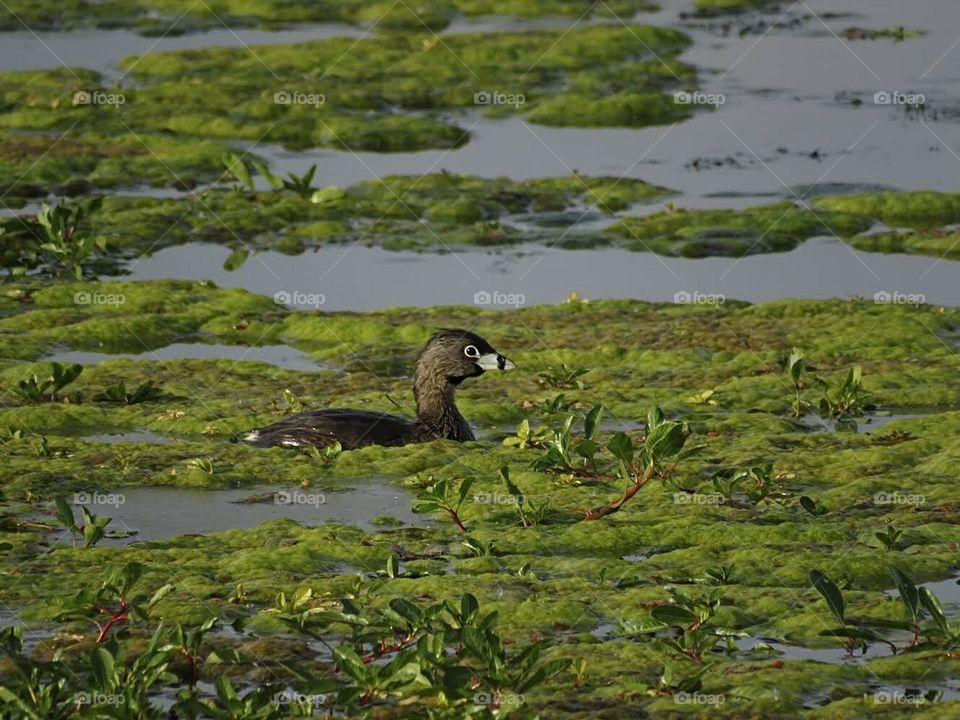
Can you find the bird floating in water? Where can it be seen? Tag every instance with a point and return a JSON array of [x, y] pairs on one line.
[[449, 358]]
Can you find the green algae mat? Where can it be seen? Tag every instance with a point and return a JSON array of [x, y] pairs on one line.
[[730, 511]]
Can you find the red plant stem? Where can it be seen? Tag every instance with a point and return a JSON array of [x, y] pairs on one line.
[[387, 649], [610, 508], [118, 617], [456, 519]]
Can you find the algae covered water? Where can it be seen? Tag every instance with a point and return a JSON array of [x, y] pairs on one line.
[[718, 239]]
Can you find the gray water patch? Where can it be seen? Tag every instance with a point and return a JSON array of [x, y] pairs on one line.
[[282, 356], [363, 278], [138, 436], [834, 656], [103, 49], [865, 424], [947, 591], [799, 108], [159, 513]]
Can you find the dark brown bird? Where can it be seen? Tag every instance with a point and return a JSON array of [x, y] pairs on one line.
[[449, 358]]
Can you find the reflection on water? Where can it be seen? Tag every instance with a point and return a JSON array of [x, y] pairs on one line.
[[362, 278]]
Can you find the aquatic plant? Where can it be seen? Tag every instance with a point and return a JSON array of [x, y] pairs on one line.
[[56, 235], [562, 377], [848, 401], [93, 528], [662, 448], [525, 437], [796, 370], [144, 392], [918, 602], [442, 495], [529, 511], [301, 185], [444, 650], [33, 389]]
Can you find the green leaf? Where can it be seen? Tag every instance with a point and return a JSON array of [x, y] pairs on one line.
[[932, 605], [831, 593], [621, 447], [674, 615], [348, 661], [908, 591], [654, 418], [101, 663], [591, 423], [666, 440], [468, 606], [65, 514]]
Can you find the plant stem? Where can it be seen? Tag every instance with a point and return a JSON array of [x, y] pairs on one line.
[[456, 519], [610, 508]]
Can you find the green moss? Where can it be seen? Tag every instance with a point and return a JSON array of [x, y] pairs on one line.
[[382, 94], [583, 587], [912, 209], [169, 17], [699, 233]]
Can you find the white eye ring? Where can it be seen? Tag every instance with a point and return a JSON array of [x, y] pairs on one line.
[[471, 351]]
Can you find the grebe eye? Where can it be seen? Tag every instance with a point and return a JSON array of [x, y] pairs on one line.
[[471, 351]]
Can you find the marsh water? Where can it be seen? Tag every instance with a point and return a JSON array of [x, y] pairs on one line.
[[784, 81], [159, 513]]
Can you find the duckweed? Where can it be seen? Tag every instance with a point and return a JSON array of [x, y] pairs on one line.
[[587, 589]]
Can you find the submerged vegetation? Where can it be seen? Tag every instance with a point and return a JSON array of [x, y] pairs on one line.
[[446, 210], [707, 519]]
